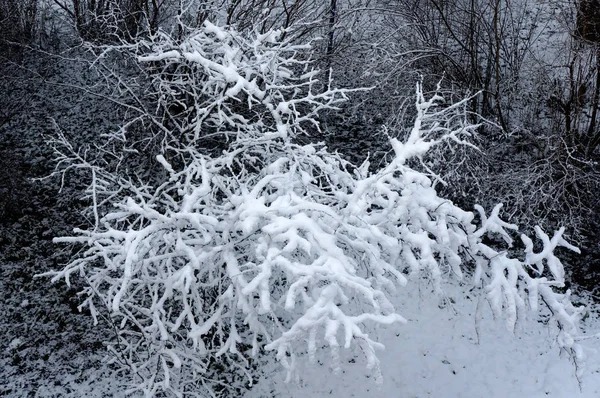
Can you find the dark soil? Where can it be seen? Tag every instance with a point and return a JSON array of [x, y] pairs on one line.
[[47, 345]]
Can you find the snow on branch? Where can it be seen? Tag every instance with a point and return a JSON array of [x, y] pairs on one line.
[[274, 246], [217, 79]]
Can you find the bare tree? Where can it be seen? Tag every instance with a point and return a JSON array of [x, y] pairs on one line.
[[115, 20], [18, 22]]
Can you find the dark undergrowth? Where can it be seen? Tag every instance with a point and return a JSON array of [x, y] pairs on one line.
[[48, 347]]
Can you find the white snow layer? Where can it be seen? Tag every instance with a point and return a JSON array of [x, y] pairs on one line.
[[439, 353]]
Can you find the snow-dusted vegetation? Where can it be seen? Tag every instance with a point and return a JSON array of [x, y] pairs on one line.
[[220, 236]]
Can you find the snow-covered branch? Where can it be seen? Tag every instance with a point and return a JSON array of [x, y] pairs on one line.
[[270, 245]]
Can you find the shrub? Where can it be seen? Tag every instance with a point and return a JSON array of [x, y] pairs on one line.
[[269, 245]]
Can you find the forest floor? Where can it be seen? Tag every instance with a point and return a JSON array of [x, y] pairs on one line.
[[47, 347]]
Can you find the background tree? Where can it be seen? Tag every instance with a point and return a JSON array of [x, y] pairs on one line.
[[114, 20]]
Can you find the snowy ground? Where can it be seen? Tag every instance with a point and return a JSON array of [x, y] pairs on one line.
[[437, 354]]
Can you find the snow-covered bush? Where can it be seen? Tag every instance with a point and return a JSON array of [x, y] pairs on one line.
[[219, 82], [269, 245]]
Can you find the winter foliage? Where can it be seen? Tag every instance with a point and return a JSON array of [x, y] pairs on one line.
[[269, 245]]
